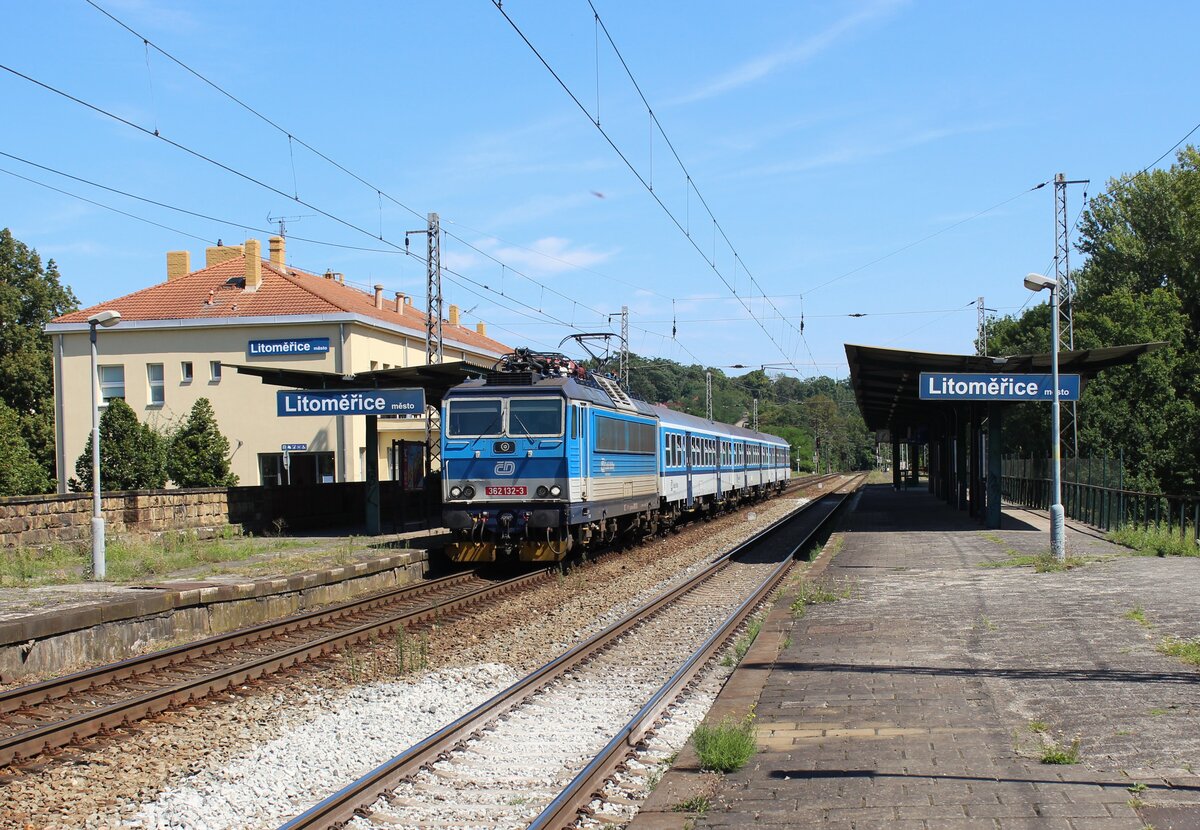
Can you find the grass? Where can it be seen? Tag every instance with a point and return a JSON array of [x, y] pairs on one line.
[[1186, 650], [810, 593], [171, 553], [1039, 726], [727, 746], [743, 643], [1138, 615], [1154, 540], [1055, 754], [1041, 562]]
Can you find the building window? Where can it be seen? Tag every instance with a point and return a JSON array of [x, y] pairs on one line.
[[185, 369], [154, 377], [112, 383], [281, 470], [214, 371]]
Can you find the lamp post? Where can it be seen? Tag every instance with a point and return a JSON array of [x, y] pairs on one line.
[[1038, 282], [108, 319]]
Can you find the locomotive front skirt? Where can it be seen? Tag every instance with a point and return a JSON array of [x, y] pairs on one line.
[[534, 466]]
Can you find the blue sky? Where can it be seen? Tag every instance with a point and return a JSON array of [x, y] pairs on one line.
[[861, 158]]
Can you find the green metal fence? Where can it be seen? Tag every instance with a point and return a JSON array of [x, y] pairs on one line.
[[1093, 492]]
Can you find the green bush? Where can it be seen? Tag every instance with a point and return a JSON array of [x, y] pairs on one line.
[[725, 747], [199, 454], [132, 455], [20, 473]]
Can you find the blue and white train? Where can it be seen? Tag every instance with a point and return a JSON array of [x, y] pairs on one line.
[[541, 457]]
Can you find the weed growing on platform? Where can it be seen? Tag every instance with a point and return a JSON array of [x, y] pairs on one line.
[[1042, 562], [1186, 650], [1055, 754], [1139, 787], [743, 643], [1038, 726], [810, 593], [1138, 615], [1155, 540], [727, 746], [695, 804]]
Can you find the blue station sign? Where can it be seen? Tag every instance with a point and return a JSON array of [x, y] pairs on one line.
[[350, 402], [296, 345], [294, 447], [936, 386]]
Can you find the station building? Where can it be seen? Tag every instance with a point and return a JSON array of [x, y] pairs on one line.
[[177, 341]]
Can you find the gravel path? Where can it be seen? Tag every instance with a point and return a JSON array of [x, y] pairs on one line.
[[191, 754]]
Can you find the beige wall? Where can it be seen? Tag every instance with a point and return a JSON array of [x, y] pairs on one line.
[[245, 407]]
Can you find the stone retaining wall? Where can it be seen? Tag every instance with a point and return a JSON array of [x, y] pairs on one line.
[[38, 521], [30, 521]]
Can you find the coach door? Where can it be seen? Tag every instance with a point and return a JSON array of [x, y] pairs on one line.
[[585, 449], [688, 438]]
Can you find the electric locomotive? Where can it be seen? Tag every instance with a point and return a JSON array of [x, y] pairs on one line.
[[541, 456]]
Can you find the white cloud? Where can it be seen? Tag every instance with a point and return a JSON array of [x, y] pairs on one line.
[[803, 52], [551, 255]]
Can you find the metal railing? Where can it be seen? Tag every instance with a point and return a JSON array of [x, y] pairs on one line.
[[1094, 493]]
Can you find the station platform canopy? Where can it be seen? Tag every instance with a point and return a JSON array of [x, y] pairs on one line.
[[435, 378], [886, 381]]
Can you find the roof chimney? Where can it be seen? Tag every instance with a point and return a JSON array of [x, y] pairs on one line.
[[178, 264], [329, 273], [379, 296], [400, 302], [278, 246], [253, 264], [453, 315], [481, 327], [220, 253]]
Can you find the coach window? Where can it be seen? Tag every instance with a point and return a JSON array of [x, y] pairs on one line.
[[616, 435], [535, 416], [471, 417]]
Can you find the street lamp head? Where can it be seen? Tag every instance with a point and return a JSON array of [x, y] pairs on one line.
[[1038, 282], [105, 318]]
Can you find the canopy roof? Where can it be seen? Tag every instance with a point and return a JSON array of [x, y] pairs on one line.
[[886, 381]]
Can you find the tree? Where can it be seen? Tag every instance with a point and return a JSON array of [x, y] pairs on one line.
[[20, 473], [1140, 283], [30, 296], [199, 452], [132, 454]]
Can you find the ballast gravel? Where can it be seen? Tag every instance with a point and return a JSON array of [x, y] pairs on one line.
[[200, 767]]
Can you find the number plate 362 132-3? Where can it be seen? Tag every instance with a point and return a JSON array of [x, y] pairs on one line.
[[506, 490]]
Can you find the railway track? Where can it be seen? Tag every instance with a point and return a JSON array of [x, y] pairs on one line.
[[522, 758], [55, 713], [59, 712]]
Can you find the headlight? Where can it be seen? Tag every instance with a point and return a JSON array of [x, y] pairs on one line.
[[468, 492], [555, 490], [455, 492], [542, 491]]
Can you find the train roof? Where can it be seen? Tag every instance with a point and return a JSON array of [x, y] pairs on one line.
[[516, 383], [670, 417]]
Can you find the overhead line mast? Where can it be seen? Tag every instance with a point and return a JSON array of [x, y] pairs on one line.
[[1069, 431]]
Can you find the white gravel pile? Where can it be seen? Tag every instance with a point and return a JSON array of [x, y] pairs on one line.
[[342, 739]]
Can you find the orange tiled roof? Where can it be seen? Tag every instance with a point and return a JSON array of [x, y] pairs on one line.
[[219, 292]]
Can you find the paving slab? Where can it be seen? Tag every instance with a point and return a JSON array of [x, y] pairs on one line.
[[928, 697]]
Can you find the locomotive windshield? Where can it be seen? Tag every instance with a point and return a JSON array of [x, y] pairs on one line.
[[535, 416], [474, 417]]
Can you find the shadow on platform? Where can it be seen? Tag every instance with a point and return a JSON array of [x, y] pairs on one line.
[[884, 509]]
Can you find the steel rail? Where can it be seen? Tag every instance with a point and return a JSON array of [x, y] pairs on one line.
[[62, 732], [342, 806], [564, 810]]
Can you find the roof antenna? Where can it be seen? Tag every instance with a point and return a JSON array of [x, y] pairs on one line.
[[283, 220]]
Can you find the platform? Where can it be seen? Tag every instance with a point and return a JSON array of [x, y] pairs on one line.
[[928, 697], [50, 630]]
